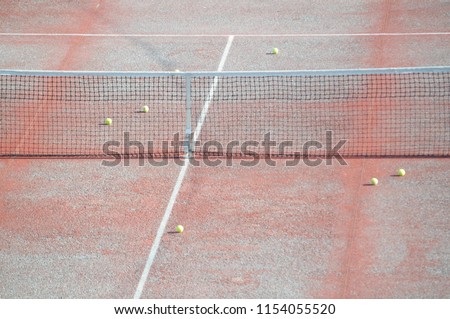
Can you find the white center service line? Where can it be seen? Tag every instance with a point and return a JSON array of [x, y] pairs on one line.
[[176, 189], [202, 118]]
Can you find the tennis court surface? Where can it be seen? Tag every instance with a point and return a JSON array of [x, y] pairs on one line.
[[276, 199]]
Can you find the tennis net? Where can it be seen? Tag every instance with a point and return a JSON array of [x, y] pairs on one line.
[[372, 112]]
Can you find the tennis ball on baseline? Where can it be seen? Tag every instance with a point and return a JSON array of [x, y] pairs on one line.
[[145, 109], [108, 121], [374, 181], [275, 51], [179, 229], [401, 172]]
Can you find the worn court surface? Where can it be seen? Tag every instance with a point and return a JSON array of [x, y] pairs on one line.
[[77, 229]]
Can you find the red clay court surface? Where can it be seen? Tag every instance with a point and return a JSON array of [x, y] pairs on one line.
[[72, 228]]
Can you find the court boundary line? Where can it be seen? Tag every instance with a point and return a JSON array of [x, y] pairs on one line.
[[143, 35], [155, 246]]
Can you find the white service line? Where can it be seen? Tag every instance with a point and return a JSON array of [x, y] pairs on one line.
[[143, 35], [176, 189]]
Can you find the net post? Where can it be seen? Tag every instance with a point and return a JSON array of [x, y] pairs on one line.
[[188, 137]]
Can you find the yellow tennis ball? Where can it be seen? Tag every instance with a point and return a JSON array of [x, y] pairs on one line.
[[401, 172], [145, 109], [275, 51], [176, 70], [374, 181], [179, 229], [108, 121]]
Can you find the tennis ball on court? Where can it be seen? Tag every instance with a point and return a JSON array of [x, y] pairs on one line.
[[275, 51], [176, 70], [179, 229], [374, 181], [108, 121], [401, 172], [145, 109]]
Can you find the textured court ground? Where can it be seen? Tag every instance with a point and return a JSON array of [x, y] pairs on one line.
[[72, 228]]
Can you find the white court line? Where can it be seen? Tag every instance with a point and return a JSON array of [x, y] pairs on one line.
[[176, 189], [143, 35], [201, 120]]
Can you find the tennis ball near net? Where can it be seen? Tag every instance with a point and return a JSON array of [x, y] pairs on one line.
[[401, 172], [108, 121], [179, 229], [374, 181], [275, 51], [145, 109]]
